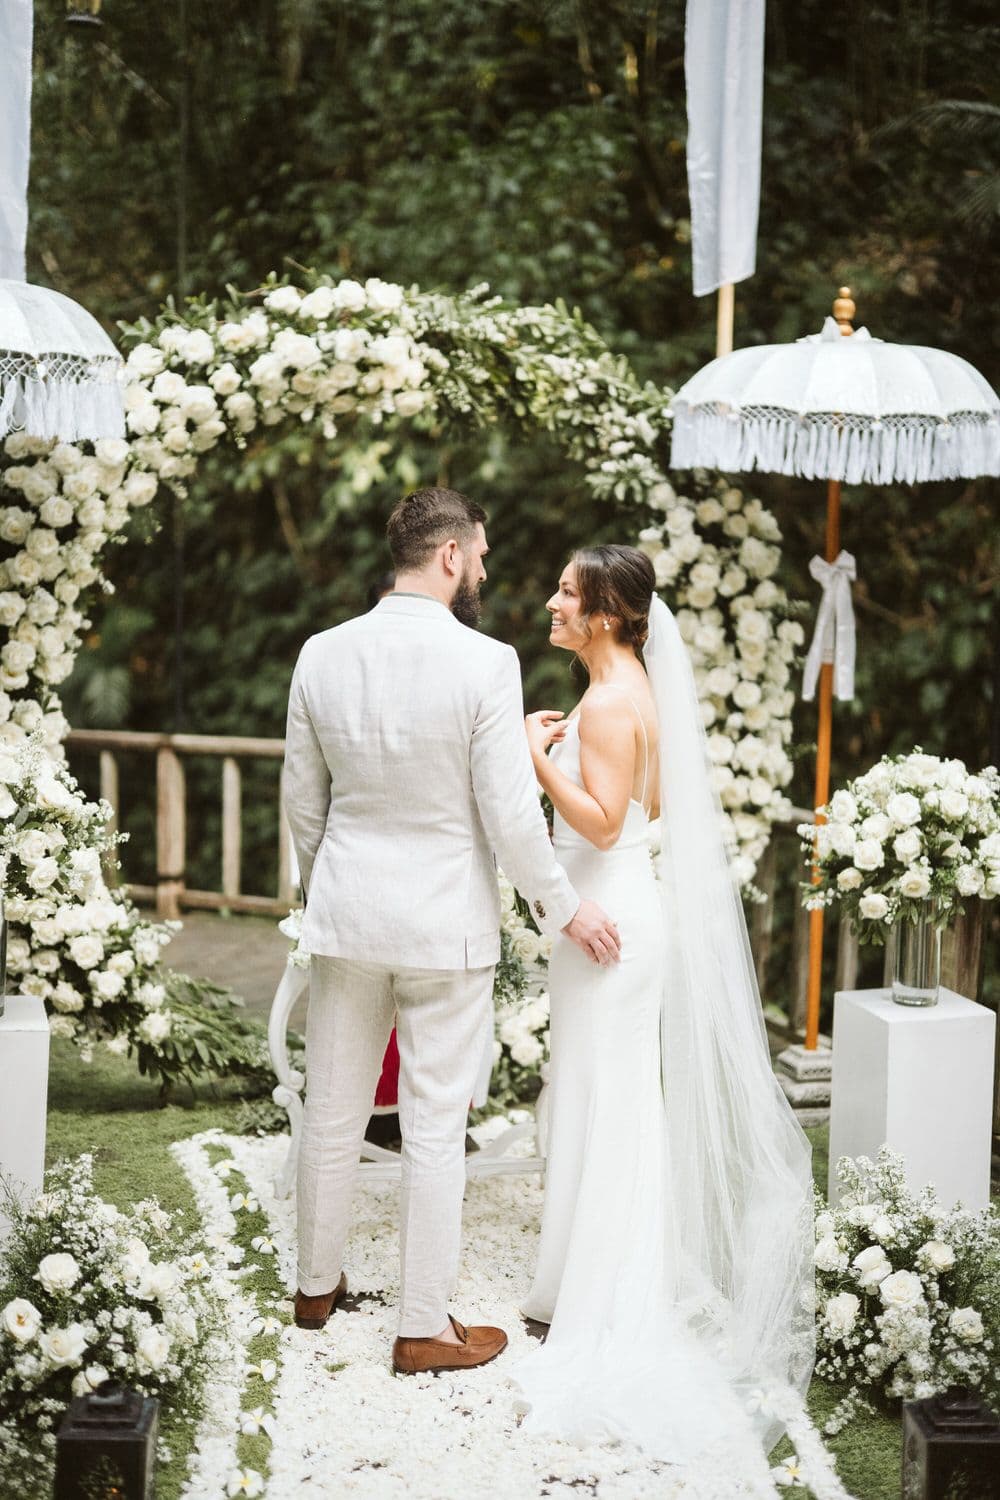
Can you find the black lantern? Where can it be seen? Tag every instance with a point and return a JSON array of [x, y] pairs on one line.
[[106, 1447], [951, 1448], [83, 13]]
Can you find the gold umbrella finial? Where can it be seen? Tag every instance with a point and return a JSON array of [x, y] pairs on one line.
[[844, 310]]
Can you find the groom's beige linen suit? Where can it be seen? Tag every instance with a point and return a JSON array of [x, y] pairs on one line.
[[407, 777]]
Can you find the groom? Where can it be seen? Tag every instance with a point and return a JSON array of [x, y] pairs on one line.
[[407, 775]]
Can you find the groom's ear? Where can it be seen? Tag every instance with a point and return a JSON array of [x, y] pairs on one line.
[[451, 556]]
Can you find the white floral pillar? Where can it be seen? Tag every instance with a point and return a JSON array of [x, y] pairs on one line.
[[24, 1083]]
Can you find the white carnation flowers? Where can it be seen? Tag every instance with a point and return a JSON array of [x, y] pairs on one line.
[[915, 827]]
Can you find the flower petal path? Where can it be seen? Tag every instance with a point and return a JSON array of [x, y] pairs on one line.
[[345, 1425]]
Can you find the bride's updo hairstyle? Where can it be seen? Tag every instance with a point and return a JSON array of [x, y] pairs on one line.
[[619, 581]]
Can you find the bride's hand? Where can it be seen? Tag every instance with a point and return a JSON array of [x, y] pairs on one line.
[[544, 729]]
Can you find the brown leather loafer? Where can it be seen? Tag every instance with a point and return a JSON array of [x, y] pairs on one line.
[[477, 1346], [313, 1312]]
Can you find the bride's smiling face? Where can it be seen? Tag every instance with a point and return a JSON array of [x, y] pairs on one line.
[[568, 628]]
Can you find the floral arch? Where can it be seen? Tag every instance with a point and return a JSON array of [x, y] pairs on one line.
[[340, 354]]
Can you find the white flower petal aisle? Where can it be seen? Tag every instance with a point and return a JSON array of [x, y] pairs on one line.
[[343, 1423]]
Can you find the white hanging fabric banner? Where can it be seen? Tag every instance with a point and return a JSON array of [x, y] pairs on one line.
[[724, 70], [834, 639], [15, 133]]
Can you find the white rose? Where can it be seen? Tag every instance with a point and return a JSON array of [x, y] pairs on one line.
[[107, 984], [152, 1349], [144, 361], [197, 347], [63, 1346], [967, 1325], [824, 1224], [828, 1256], [876, 826], [58, 1272], [873, 907], [111, 452], [156, 1281], [969, 880], [349, 345], [525, 945], [849, 879], [904, 809], [901, 1289], [936, 1255], [32, 846], [954, 805], [349, 295], [21, 1320], [527, 1052], [283, 299], [169, 386], [883, 1228], [914, 882], [841, 1313], [382, 296], [140, 487], [906, 846], [868, 854], [872, 1265], [89, 1380], [198, 403], [44, 875], [225, 380], [135, 1258], [842, 838], [87, 950], [154, 1028], [318, 303]]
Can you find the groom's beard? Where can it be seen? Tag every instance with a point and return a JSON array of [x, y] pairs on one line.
[[466, 606]]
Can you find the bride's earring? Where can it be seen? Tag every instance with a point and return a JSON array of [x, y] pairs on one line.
[[607, 623]]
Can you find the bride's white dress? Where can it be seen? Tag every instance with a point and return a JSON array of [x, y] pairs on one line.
[[619, 1361]]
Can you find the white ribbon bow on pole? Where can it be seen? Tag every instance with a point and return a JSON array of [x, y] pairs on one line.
[[834, 637]]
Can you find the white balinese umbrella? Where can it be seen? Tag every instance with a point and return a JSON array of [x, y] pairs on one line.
[[60, 374], [840, 406]]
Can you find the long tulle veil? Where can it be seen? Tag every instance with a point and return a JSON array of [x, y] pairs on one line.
[[742, 1182]]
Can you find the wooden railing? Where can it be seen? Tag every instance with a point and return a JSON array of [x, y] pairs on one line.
[[170, 894], [962, 948]]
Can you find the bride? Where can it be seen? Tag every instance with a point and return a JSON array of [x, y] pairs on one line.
[[675, 1266]]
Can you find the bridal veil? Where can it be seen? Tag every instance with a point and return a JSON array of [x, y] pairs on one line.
[[740, 1164]]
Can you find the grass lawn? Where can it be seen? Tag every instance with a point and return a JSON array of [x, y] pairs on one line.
[[107, 1108]]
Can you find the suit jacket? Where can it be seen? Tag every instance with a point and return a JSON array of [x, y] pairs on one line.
[[407, 776]]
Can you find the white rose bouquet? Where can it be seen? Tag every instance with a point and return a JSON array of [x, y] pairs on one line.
[[907, 1293], [90, 1294], [83, 948], [912, 827]]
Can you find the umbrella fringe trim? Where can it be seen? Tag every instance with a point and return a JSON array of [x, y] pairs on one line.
[[61, 410], [824, 446]]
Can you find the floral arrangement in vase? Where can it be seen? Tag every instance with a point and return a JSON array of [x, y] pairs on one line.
[[90, 1294], [913, 829], [907, 1292]]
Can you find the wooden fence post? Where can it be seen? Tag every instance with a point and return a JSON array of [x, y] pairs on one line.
[[232, 841], [170, 834]]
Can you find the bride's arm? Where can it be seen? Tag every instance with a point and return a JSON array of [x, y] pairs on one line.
[[596, 810]]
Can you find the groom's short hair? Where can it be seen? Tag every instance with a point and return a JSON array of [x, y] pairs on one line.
[[425, 519]]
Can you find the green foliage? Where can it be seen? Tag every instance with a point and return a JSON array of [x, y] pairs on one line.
[[211, 1037]]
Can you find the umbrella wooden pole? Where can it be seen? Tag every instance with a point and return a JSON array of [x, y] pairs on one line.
[[822, 792], [725, 319]]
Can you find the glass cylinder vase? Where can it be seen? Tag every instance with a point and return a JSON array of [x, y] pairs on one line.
[[916, 957]]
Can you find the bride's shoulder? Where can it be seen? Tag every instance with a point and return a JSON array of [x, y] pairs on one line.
[[602, 707]]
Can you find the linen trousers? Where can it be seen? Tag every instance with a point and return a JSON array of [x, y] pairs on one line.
[[443, 1019]]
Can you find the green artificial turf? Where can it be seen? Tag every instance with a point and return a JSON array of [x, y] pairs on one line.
[[106, 1107]]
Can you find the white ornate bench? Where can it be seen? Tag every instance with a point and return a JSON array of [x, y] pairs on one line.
[[493, 1159]]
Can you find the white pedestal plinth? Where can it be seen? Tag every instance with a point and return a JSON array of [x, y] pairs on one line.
[[918, 1079], [24, 1087]]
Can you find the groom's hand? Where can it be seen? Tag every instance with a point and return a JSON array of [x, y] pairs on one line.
[[593, 931]]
